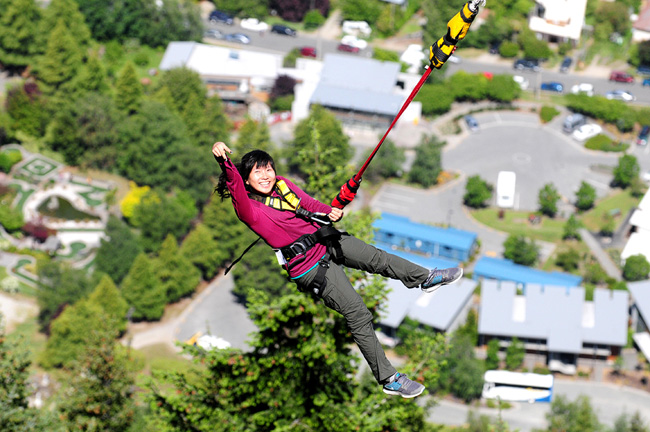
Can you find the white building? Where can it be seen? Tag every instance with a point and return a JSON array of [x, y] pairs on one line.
[[558, 20], [639, 241]]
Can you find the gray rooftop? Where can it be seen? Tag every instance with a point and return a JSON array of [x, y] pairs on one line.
[[641, 295], [360, 84], [177, 55], [437, 309], [558, 315]]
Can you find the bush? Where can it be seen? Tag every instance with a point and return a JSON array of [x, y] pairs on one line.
[[477, 191], [282, 103], [548, 113], [290, 59], [568, 260], [313, 19], [9, 158], [604, 143], [435, 98], [636, 268], [509, 49], [503, 88]]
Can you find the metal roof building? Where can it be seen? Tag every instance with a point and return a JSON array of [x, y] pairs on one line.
[[555, 319], [401, 232], [505, 270], [641, 315], [356, 88]]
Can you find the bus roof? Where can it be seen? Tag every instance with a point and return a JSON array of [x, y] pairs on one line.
[[519, 378]]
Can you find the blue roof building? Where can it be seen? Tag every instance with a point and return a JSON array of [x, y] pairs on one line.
[[401, 233], [505, 270]]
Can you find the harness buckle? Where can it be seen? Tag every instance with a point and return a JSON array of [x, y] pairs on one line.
[[298, 248]]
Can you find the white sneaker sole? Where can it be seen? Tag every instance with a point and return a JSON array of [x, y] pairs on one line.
[[405, 396], [433, 288]]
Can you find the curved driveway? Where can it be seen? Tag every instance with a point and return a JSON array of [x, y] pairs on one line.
[[506, 141]]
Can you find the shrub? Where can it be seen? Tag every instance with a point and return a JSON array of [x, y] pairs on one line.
[[282, 103], [604, 143], [313, 19], [548, 113], [509, 49], [636, 268], [9, 158]]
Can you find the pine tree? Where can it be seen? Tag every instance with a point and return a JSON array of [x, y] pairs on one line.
[[68, 12], [143, 291], [14, 372], [117, 253], [62, 62], [183, 84], [128, 90], [202, 250], [232, 236], [101, 394], [177, 276], [109, 298], [18, 29], [92, 77], [253, 135]]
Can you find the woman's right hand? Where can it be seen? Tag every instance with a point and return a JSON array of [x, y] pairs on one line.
[[220, 150]]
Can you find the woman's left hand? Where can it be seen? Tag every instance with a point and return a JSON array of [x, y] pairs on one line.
[[336, 214]]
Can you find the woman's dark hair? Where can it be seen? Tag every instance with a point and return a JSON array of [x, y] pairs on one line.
[[245, 166]]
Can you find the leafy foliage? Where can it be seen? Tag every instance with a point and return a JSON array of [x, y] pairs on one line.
[[586, 196], [428, 161], [295, 10], [477, 192], [568, 259], [492, 356], [626, 171], [387, 163], [515, 354], [547, 199], [462, 374], [143, 291], [203, 251], [128, 90], [521, 250], [571, 228], [636, 268], [572, 416], [178, 277], [116, 254], [26, 108], [18, 33]]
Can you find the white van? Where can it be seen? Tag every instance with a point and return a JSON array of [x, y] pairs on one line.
[[506, 189], [356, 28]]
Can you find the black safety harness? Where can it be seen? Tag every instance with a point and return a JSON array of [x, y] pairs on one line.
[[327, 235]]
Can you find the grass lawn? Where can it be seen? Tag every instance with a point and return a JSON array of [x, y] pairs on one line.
[[620, 200], [516, 222], [579, 246]]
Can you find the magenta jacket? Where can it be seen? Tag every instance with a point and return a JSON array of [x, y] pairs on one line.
[[278, 228]]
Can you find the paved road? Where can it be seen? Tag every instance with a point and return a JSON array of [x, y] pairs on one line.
[[609, 401]]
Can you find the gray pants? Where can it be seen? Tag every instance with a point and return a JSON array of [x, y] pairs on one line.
[[339, 295]]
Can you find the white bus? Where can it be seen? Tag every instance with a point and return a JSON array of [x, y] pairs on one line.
[[506, 189], [517, 386]]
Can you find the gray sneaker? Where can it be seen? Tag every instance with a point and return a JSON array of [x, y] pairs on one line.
[[404, 387], [438, 278]]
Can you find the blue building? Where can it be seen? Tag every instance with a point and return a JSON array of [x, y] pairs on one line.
[[505, 270], [399, 232]]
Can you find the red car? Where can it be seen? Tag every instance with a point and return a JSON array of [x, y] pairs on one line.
[[348, 48], [619, 76], [308, 51]]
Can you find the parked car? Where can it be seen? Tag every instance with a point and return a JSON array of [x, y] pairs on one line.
[[347, 48], [646, 176], [573, 121], [620, 95], [586, 131], [356, 27], [646, 82], [642, 139], [552, 86], [238, 37], [583, 88], [308, 51], [217, 16], [566, 64], [643, 70], [471, 122], [523, 82], [619, 76], [527, 64], [354, 41], [283, 30], [254, 24], [213, 34], [494, 48]]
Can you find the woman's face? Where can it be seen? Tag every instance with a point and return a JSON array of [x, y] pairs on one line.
[[262, 179]]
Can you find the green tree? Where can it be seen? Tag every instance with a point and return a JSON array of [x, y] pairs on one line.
[[143, 291], [259, 271], [428, 161], [470, 327], [27, 109], [585, 197], [626, 171], [156, 151], [70, 332], [572, 416], [319, 153], [515, 353], [101, 393], [117, 252], [462, 374], [18, 31], [468, 87], [568, 259], [533, 47], [435, 98], [11, 218], [547, 199], [633, 423], [203, 251], [521, 250], [68, 12], [92, 78], [128, 90], [159, 215], [59, 285], [361, 10], [253, 135], [492, 356], [387, 162], [477, 192], [571, 228], [502, 88], [636, 268], [107, 296], [59, 67], [177, 276], [183, 85]]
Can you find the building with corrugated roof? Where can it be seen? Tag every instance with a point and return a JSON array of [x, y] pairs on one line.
[[502, 269], [555, 321], [400, 232], [640, 315]]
